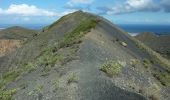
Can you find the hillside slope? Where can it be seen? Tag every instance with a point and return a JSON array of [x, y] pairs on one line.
[[13, 38], [84, 57], [160, 44]]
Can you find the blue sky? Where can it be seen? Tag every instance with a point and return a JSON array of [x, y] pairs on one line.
[[117, 11]]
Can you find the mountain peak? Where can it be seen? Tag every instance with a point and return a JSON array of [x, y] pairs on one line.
[[72, 18], [84, 56], [78, 11]]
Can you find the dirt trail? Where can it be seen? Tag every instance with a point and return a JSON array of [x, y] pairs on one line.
[[94, 84]]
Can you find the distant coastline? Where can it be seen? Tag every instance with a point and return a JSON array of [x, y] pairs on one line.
[[133, 29], [1, 29]]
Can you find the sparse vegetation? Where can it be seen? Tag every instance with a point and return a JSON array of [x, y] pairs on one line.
[[162, 77], [30, 93], [56, 83], [155, 56], [49, 60], [146, 63], [156, 59], [8, 77], [72, 78], [7, 94], [29, 67], [39, 88], [112, 68], [134, 62], [49, 57]]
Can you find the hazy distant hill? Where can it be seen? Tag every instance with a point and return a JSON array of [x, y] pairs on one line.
[[84, 57], [159, 43], [16, 32]]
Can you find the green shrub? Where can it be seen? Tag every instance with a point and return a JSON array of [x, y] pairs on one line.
[[112, 68], [147, 63], [39, 88], [29, 67], [7, 95], [72, 78]]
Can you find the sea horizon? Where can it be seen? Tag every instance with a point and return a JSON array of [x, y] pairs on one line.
[[132, 29]]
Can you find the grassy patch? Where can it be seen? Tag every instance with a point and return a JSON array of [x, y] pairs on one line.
[[8, 77], [7, 95], [76, 35], [29, 67], [49, 59], [111, 68]]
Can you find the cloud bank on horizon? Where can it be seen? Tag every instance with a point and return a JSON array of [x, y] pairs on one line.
[[119, 9]]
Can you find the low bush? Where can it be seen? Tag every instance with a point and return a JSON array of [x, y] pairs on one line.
[[72, 78], [111, 68], [134, 62]]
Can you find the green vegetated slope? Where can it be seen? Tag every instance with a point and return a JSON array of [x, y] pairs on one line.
[[84, 56], [160, 44]]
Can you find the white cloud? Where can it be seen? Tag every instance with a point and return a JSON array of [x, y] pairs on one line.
[[141, 4], [130, 6], [80, 1], [77, 5], [26, 10], [165, 5], [74, 4]]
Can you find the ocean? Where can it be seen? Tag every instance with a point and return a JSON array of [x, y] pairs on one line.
[[138, 28], [133, 29]]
